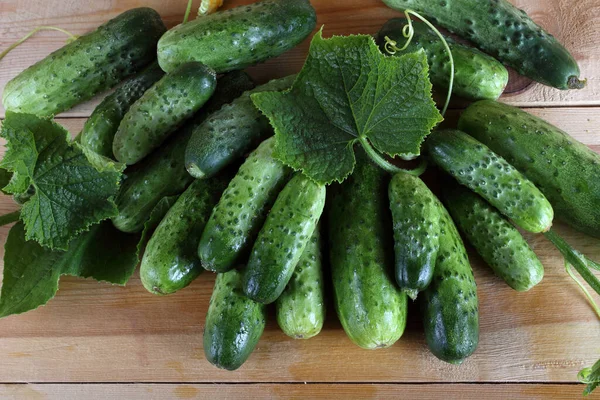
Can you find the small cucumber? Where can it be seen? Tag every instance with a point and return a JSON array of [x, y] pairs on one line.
[[370, 306], [240, 37], [301, 306], [234, 323], [99, 130], [477, 75], [565, 170], [161, 110], [416, 221], [230, 132], [283, 238], [474, 165], [505, 32], [499, 243], [449, 305], [87, 66], [242, 210]]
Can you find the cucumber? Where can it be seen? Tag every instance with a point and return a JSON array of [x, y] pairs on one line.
[[87, 66], [416, 222], [505, 32], [163, 173], [242, 210], [301, 306], [474, 165], [161, 110], [449, 305], [477, 75], [240, 37], [282, 239], [499, 243], [230, 132], [370, 307], [99, 130], [565, 170], [234, 323], [170, 262]]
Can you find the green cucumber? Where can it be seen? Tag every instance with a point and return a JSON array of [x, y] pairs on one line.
[[449, 305], [99, 130], [240, 37], [234, 323], [242, 210], [230, 132], [301, 306], [505, 32], [477, 75], [371, 308], [282, 239], [161, 110], [565, 170], [87, 66], [496, 240], [416, 218], [480, 169]]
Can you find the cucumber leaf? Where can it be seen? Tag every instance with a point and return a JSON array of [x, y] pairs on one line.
[[590, 376], [5, 178], [348, 92]]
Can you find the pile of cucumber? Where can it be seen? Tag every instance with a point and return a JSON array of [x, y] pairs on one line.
[[191, 137]]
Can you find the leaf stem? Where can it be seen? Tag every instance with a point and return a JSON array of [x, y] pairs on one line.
[[10, 218], [386, 165], [583, 289], [71, 38], [186, 16]]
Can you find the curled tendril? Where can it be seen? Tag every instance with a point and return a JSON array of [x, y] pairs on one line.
[[71, 38]]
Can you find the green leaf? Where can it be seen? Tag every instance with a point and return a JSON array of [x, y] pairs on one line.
[[347, 92], [5, 177], [65, 189], [590, 376]]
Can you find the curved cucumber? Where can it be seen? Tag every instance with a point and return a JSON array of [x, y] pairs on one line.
[[474, 165], [99, 130], [498, 242], [234, 323], [230, 132], [565, 170], [239, 37], [283, 238], [87, 66], [370, 307], [161, 110], [416, 219], [301, 306], [505, 32], [242, 210]]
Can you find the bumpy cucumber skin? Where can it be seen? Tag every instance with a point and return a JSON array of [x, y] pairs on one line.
[[163, 173], [230, 132], [505, 32], [496, 240], [234, 323], [565, 170], [474, 165], [371, 308], [237, 218], [240, 37], [99, 130], [477, 75], [87, 66], [449, 305], [161, 110], [301, 306], [282, 239], [416, 219]]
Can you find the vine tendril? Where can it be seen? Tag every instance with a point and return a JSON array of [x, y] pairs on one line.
[[71, 38]]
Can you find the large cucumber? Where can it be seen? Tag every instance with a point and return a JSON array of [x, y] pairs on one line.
[[242, 210], [230, 132], [371, 308], [87, 66], [505, 32], [240, 37], [477, 75], [565, 170], [480, 169]]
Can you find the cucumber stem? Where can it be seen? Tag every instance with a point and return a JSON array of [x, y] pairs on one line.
[[188, 9], [583, 289], [71, 38], [10, 218], [575, 83], [386, 165]]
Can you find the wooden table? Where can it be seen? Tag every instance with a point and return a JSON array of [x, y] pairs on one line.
[[98, 341]]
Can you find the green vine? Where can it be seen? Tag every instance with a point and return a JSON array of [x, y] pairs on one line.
[[71, 38]]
